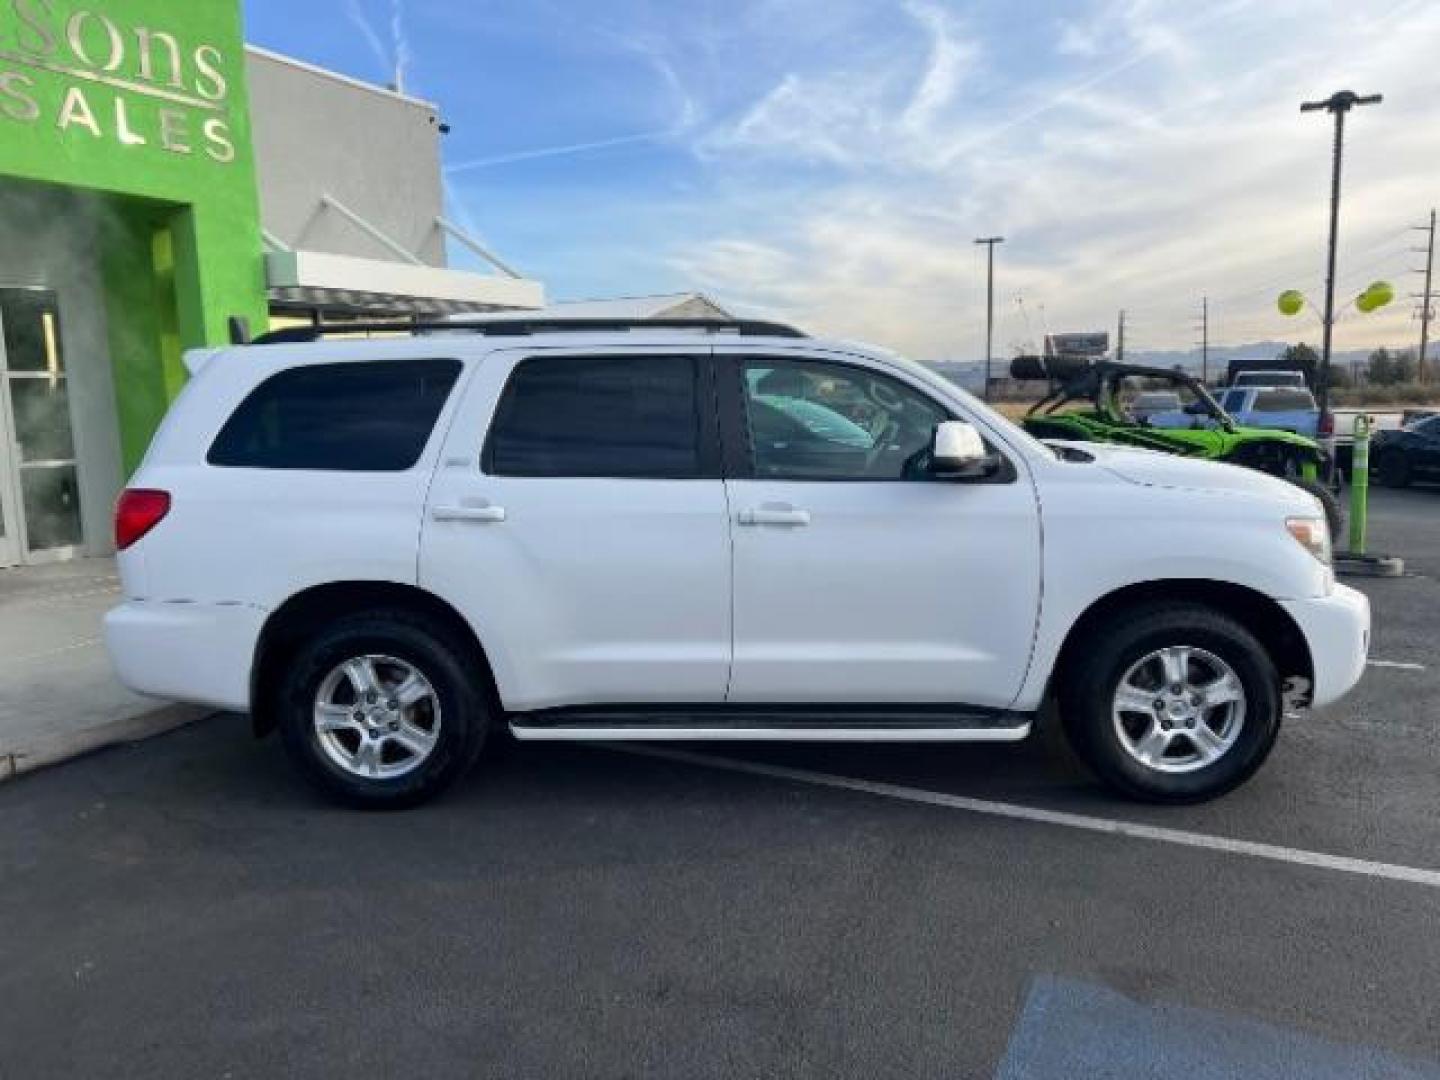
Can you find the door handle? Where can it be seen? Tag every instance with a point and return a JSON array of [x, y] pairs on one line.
[[468, 513], [774, 515]]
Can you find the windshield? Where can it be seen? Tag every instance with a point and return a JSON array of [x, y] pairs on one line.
[[1157, 402], [1160, 401], [1270, 378]]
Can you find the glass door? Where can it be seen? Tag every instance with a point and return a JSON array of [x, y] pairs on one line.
[[42, 504], [9, 509]]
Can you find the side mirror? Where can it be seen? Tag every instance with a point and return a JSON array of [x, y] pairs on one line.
[[958, 453]]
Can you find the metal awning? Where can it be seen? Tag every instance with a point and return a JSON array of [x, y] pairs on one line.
[[320, 280], [346, 300]]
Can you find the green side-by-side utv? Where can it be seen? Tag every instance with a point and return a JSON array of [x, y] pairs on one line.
[[1170, 411]]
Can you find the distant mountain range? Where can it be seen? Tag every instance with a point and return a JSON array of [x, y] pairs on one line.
[[971, 373], [1221, 355]]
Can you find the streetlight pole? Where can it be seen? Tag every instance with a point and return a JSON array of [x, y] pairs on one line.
[[1337, 105], [989, 242]]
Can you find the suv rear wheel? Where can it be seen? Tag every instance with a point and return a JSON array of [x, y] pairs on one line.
[[1173, 704], [380, 710]]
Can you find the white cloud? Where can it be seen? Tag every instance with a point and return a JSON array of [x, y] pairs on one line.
[[1148, 156], [1074, 39], [356, 14], [871, 110], [950, 57]]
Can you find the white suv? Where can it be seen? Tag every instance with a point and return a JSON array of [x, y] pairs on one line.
[[390, 548]]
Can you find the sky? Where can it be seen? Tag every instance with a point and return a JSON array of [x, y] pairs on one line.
[[831, 162]]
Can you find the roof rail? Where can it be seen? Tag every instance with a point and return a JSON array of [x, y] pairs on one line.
[[525, 327]]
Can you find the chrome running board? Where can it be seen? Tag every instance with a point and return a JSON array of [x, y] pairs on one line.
[[773, 723]]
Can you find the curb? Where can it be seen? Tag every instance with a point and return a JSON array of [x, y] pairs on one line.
[[128, 729], [1375, 566]]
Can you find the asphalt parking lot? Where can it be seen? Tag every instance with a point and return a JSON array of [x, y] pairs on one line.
[[186, 907]]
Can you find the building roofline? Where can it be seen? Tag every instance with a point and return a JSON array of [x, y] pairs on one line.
[[335, 76], [640, 296]]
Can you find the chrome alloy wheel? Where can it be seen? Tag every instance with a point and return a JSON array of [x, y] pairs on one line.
[[1179, 709], [377, 717]]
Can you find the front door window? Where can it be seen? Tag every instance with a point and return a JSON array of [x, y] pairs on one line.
[[808, 420]]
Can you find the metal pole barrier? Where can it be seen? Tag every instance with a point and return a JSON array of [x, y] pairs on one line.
[[1359, 484]]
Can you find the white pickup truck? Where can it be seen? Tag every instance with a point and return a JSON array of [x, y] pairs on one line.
[[388, 549]]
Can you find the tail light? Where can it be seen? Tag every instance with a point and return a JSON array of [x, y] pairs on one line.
[[1327, 424], [137, 512]]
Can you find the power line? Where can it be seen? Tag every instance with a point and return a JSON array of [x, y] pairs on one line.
[[1204, 339], [1291, 279]]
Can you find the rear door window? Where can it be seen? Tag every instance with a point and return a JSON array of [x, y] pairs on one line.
[[632, 417], [371, 416]]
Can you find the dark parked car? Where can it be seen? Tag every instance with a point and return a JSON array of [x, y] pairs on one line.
[[1409, 453]]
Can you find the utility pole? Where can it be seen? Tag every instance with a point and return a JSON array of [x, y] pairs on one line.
[[1120, 339], [1205, 341], [1337, 105], [1426, 296], [989, 242]]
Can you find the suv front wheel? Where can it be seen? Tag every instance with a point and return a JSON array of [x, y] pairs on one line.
[[1172, 704], [379, 710]]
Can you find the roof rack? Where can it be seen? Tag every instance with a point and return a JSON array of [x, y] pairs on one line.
[[525, 327]]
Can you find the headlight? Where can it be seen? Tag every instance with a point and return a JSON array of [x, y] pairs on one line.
[[1313, 534]]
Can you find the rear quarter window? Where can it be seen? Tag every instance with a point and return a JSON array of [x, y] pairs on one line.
[[372, 416], [1284, 401]]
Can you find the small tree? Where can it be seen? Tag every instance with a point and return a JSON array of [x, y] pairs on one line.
[[1403, 366], [1381, 368], [1304, 358]]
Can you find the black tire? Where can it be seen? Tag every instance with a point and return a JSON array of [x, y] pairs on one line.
[[1089, 684], [1393, 470], [1334, 512], [464, 713]]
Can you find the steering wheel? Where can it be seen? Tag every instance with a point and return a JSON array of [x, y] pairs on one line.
[[881, 441], [884, 396]]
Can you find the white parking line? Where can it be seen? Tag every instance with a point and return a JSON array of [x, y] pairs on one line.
[[1114, 827], [1398, 665]]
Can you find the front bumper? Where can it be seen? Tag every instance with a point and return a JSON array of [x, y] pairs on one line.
[[192, 652], [1337, 631]]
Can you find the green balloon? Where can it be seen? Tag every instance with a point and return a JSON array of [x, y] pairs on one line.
[[1366, 302], [1380, 293], [1290, 302]]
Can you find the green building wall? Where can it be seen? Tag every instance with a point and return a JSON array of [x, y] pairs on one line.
[[143, 104]]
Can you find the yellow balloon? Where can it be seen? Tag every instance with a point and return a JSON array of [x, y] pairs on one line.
[[1380, 293], [1290, 302], [1366, 302]]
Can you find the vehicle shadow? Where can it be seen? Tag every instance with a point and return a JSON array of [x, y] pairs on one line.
[[1041, 770]]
